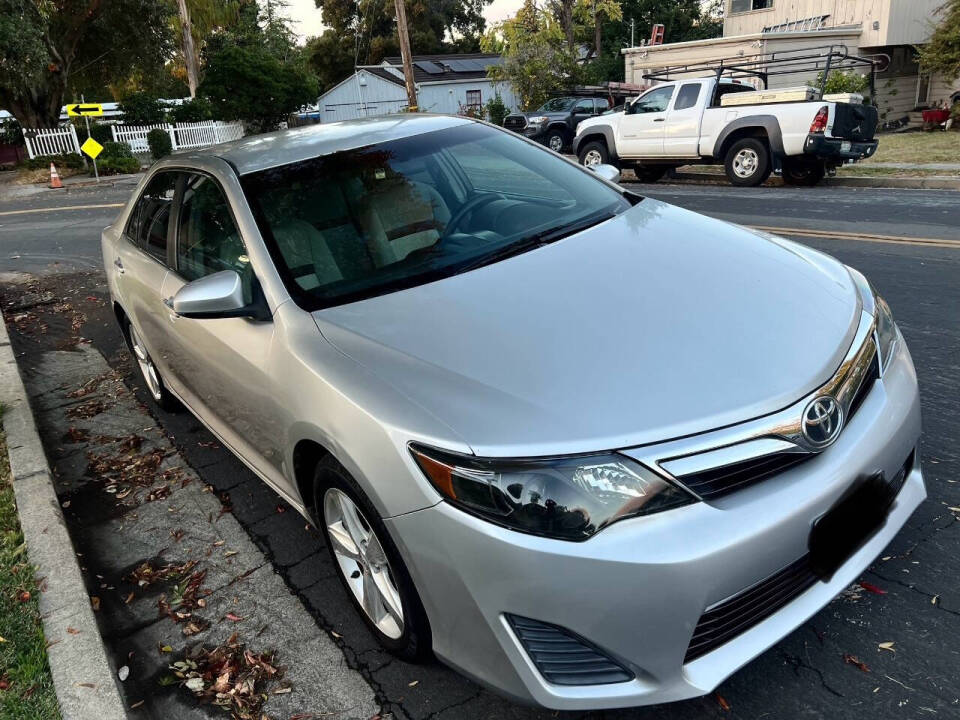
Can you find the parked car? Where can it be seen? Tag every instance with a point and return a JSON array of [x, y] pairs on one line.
[[554, 123], [586, 447], [685, 122]]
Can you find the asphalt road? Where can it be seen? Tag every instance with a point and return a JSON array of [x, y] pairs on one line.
[[812, 673]]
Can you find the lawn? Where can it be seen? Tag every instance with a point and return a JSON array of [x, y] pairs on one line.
[[918, 147], [26, 688]]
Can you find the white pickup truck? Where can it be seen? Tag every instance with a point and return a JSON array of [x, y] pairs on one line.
[[685, 122]]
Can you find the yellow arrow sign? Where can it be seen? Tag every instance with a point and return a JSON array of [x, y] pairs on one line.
[[88, 109], [91, 147]]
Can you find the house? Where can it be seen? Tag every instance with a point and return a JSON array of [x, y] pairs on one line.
[[884, 30], [448, 84]]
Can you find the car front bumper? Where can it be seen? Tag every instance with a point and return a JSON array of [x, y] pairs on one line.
[[637, 589], [828, 148]]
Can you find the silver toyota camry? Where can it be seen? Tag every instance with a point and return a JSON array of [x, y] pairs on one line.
[[588, 448]]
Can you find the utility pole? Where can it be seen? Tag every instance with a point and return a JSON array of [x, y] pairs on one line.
[[405, 55], [631, 33]]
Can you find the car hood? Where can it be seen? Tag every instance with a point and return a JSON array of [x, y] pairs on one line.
[[656, 324]]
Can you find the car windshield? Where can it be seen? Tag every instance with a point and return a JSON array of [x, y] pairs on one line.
[[557, 105], [369, 221]]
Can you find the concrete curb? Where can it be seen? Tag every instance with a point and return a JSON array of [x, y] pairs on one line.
[[13, 191], [82, 675], [915, 183]]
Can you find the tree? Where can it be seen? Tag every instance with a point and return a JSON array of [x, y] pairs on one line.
[[536, 55], [142, 108], [51, 48], [248, 83], [331, 57], [942, 53]]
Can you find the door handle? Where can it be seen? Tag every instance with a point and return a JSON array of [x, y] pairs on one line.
[[658, 119], [118, 265]]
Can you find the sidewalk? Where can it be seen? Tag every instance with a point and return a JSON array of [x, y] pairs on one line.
[[10, 190]]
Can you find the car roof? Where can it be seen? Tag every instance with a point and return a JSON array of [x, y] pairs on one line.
[[259, 152]]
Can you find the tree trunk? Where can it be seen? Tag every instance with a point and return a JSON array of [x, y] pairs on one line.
[[567, 21], [189, 53], [596, 29]]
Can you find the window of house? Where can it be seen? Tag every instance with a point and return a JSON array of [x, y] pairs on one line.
[[739, 6], [473, 99]]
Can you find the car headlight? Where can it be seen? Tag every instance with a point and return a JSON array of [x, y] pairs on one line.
[[567, 498], [886, 332], [538, 120], [876, 306]]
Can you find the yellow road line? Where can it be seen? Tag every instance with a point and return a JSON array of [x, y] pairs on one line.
[[863, 237], [65, 207]]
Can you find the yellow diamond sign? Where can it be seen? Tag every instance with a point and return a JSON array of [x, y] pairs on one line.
[[91, 147]]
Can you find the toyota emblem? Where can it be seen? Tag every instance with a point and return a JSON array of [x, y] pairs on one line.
[[822, 420]]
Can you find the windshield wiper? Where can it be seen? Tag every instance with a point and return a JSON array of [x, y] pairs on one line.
[[539, 239]]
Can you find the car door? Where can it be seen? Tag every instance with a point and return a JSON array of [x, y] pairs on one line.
[[140, 265], [641, 131], [219, 367], [682, 128]]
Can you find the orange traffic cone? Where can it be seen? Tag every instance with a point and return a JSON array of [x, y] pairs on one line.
[[54, 177]]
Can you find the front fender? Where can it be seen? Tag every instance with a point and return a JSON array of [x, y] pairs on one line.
[[591, 132]]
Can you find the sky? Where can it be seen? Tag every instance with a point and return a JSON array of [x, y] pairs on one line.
[[306, 16]]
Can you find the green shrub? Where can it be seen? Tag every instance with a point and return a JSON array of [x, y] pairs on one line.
[[844, 82], [115, 150], [140, 108], [63, 160], [497, 110], [159, 142], [98, 131], [117, 165], [196, 110]]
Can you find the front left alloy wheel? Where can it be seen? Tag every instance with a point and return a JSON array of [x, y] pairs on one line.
[[369, 565]]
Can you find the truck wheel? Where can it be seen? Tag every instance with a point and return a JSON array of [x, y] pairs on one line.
[[555, 140], [594, 153], [802, 172], [649, 173], [747, 163]]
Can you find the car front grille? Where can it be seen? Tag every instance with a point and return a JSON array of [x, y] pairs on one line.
[[715, 482], [725, 620], [515, 122], [563, 657]]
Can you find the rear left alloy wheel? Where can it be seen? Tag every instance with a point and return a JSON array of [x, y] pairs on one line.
[[149, 372], [370, 567]]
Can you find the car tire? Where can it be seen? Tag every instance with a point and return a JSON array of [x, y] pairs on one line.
[[149, 373], [747, 162], [381, 577], [802, 172], [593, 153], [649, 173], [556, 140]]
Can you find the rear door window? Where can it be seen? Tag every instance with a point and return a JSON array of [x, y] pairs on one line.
[[687, 97], [150, 220]]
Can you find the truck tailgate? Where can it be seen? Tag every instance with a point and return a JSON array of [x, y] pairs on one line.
[[854, 122]]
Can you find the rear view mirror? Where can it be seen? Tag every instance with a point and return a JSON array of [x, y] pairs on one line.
[[217, 296]]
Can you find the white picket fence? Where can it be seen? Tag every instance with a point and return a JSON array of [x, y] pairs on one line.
[[53, 141]]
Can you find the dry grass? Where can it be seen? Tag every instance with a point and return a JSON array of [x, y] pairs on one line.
[[36, 177], [918, 147]]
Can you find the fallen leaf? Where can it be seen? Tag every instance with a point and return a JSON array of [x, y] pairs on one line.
[[94, 602], [886, 646], [234, 617], [723, 702], [2, 639], [230, 553], [86, 685], [854, 660], [195, 684], [933, 600], [73, 631], [413, 684], [137, 704], [282, 691], [870, 587], [166, 649], [123, 673], [24, 596]]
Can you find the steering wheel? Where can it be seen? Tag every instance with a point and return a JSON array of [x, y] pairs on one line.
[[477, 201]]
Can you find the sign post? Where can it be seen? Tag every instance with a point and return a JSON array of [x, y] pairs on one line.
[[90, 146]]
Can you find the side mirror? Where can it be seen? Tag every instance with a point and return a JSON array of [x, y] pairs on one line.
[[217, 296], [628, 108], [607, 172]]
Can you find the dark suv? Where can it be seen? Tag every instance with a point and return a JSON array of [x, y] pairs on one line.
[[555, 122]]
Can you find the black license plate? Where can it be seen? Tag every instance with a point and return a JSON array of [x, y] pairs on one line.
[[850, 523]]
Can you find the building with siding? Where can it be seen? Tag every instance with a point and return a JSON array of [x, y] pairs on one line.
[[447, 84], [886, 30]]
